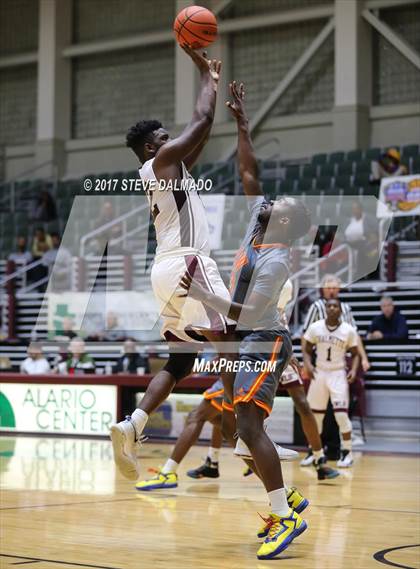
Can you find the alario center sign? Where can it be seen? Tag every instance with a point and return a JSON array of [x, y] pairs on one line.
[[69, 409]]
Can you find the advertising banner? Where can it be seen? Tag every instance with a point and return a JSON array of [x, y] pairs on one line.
[[66, 409], [399, 196], [169, 419]]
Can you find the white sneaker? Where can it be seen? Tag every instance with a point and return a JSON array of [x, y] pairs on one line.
[[345, 460], [242, 450], [285, 454], [308, 460], [125, 444]]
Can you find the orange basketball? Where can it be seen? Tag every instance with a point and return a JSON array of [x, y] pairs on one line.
[[195, 26]]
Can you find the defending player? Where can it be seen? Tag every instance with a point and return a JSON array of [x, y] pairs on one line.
[[182, 242], [292, 382], [261, 269], [332, 339], [209, 410]]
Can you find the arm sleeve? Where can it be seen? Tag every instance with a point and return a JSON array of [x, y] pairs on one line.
[[254, 204]]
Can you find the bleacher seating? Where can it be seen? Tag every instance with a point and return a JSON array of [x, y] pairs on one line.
[[345, 173]]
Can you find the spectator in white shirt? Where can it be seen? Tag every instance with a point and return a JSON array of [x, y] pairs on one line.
[[35, 363]]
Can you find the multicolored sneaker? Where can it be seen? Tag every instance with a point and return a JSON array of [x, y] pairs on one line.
[[247, 471], [125, 445], [295, 500], [323, 471], [308, 460], [281, 533], [161, 480], [207, 470], [345, 460]]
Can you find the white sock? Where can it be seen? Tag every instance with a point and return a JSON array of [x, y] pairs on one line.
[[278, 501], [169, 466], [346, 445], [213, 454], [318, 454], [139, 419]]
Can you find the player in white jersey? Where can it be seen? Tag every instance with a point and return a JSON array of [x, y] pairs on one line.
[[332, 339], [292, 382], [182, 244]]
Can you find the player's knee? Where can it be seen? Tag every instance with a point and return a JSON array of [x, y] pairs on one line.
[[343, 421], [180, 365], [303, 407], [248, 431], [198, 415]]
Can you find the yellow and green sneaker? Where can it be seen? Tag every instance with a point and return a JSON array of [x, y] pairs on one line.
[[281, 533], [295, 500], [161, 480]]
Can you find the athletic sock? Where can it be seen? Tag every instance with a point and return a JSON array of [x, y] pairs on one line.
[[169, 466], [213, 454], [278, 501], [139, 419], [318, 454], [346, 445]]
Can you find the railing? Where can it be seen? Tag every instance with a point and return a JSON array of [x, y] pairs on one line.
[[122, 219], [12, 183]]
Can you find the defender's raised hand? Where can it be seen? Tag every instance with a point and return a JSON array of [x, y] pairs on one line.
[[236, 106], [211, 66]]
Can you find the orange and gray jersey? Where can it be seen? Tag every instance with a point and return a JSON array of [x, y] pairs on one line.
[[178, 213]]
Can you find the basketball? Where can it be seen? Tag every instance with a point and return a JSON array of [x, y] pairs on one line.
[[195, 26]]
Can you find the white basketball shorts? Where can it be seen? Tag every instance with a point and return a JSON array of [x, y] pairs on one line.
[[329, 385]]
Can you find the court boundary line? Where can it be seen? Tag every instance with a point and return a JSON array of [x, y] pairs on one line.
[[40, 559], [380, 556]]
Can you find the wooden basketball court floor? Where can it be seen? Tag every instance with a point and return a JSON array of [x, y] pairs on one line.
[[63, 506]]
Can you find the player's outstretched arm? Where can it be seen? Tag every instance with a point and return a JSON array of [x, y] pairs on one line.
[[197, 131], [247, 162], [245, 314]]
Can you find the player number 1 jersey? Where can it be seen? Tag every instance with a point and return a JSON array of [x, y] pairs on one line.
[[331, 345]]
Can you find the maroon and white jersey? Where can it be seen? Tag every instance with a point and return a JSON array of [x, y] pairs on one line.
[[178, 213], [331, 344]]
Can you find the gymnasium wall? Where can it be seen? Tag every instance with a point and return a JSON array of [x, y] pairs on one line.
[[112, 89]]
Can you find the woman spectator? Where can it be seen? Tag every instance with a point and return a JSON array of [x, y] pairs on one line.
[[35, 363]]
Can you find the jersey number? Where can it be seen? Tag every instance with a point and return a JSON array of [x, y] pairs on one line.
[[329, 354]]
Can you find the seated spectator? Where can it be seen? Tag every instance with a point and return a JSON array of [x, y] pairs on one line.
[[78, 362], [58, 261], [21, 256], [35, 363], [390, 325], [111, 332], [67, 333], [388, 166], [41, 243], [131, 361], [44, 208]]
